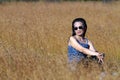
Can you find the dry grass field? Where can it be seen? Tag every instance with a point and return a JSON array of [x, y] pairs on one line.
[[33, 40]]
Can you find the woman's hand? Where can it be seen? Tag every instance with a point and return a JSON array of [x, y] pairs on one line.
[[100, 58]]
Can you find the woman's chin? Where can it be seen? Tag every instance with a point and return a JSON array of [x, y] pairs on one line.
[[79, 34]]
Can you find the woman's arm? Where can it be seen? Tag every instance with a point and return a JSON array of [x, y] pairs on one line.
[[78, 47], [90, 51], [91, 47]]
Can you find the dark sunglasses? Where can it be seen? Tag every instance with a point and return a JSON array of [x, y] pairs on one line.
[[80, 27]]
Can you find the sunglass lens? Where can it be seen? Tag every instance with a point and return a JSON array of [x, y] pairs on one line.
[[80, 27], [75, 28]]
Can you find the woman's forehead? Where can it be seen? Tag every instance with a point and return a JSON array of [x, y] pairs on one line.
[[77, 24]]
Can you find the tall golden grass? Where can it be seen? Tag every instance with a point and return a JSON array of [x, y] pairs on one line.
[[33, 40]]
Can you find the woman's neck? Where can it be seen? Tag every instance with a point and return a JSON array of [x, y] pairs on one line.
[[81, 38]]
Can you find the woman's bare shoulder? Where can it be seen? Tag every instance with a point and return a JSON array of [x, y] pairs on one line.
[[90, 42], [72, 38]]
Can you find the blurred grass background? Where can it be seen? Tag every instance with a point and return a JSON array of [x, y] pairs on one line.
[[33, 39]]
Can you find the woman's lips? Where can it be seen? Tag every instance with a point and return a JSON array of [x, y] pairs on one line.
[[78, 32]]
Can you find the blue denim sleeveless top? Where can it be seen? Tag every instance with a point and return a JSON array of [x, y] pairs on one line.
[[74, 54]]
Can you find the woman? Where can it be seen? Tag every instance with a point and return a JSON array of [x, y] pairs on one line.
[[80, 47]]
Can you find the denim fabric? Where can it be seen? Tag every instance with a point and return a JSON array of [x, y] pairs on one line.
[[75, 55]]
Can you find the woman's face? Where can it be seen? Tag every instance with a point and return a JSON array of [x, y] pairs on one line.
[[79, 29]]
